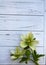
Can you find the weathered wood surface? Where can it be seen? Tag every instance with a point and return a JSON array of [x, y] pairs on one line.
[[18, 17], [25, 7], [12, 38], [9, 22], [45, 31]]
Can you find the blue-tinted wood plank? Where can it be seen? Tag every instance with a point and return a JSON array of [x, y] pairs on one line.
[[11, 22], [26, 7], [12, 38]]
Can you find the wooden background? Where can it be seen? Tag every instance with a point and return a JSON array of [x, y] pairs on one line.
[[19, 17]]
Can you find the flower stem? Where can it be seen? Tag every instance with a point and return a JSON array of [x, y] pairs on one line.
[[34, 62]]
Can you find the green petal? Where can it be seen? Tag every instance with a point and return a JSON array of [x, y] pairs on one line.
[[13, 57], [23, 44], [23, 37], [12, 52], [33, 44], [33, 47], [30, 36], [20, 56], [17, 50]]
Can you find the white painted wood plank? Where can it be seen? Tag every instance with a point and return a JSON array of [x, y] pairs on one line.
[[10, 22], [45, 30], [5, 55], [12, 38], [45, 6], [21, 1], [20, 64], [25, 7]]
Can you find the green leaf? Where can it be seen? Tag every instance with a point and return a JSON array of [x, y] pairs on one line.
[[40, 55], [36, 56], [24, 59]]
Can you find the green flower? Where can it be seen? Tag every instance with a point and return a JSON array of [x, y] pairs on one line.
[[17, 53], [28, 41]]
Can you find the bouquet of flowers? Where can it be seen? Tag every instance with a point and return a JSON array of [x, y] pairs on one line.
[[27, 50]]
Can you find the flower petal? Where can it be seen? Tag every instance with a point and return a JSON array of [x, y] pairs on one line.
[[17, 50], [23, 44], [33, 47], [20, 56], [33, 44], [13, 57], [12, 52], [30, 36], [23, 37]]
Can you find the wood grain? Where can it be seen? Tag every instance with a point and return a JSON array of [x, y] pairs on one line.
[[19, 17], [11, 22], [12, 38], [24, 7]]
